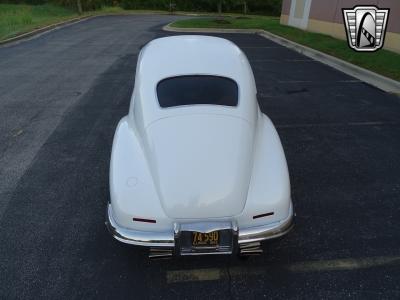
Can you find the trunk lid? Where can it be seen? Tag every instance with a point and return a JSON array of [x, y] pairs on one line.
[[201, 164]]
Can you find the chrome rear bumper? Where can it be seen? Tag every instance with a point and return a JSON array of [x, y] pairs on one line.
[[139, 238], [167, 239], [266, 232]]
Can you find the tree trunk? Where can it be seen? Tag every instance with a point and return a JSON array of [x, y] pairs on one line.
[[79, 5], [220, 7], [245, 7]]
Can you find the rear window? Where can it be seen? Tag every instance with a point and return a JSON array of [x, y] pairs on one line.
[[197, 89]]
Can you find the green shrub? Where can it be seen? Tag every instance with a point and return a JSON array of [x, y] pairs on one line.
[[269, 7], [145, 4], [86, 4]]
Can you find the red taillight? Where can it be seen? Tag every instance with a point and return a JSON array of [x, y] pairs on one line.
[[263, 215], [143, 220]]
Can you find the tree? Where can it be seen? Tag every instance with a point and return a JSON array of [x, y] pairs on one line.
[[220, 4], [220, 7], [270, 7], [79, 6]]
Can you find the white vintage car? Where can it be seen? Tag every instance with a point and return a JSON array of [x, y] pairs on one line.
[[196, 168]]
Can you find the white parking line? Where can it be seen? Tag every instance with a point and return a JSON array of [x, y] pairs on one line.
[[307, 125], [280, 60], [261, 47], [300, 60], [344, 264], [308, 81], [212, 274], [195, 275]]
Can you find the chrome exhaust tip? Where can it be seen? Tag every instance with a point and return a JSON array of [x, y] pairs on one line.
[[159, 253], [250, 249], [251, 252]]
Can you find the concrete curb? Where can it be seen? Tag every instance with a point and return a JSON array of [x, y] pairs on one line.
[[44, 29], [374, 79]]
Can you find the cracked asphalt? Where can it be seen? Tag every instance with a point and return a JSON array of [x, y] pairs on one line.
[[61, 97]]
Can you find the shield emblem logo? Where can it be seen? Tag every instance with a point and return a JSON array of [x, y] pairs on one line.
[[365, 27]]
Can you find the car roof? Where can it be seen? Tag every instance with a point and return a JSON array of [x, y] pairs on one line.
[[179, 55], [190, 55]]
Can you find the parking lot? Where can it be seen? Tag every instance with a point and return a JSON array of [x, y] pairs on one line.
[[61, 97]]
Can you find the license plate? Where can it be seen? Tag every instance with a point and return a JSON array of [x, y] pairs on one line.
[[210, 239]]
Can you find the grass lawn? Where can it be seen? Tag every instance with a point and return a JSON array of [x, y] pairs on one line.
[[383, 62], [16, 19]]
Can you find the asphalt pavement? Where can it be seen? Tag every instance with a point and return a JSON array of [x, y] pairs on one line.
[[61, 97]]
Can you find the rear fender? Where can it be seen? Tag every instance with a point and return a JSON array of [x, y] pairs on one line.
[[132, 189], [269, 189]]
